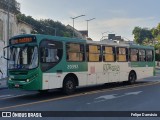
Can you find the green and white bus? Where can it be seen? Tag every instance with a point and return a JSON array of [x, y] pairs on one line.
[[43, 62]]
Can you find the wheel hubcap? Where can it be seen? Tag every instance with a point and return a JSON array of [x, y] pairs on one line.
[[132, 77], [69, 85]]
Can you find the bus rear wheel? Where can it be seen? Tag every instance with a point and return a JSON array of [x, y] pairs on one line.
[[132, 78], [69, 85]]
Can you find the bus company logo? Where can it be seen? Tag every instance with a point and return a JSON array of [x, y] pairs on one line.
[[109, 67], [23, 114], [6, 114]]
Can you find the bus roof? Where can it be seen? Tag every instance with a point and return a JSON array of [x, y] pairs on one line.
[[42, 36], [106, 43], [59, 38], [141, 47]]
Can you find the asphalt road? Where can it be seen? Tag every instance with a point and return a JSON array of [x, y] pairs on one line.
[[142, 96]]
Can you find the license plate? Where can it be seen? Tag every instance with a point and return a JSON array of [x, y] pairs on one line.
[[16, 85]]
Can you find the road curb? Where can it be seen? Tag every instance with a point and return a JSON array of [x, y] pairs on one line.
[[3, 83], [3, 87]]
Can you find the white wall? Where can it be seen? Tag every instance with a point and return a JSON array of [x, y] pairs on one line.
[[15, 29], [3, 62], [24, 27], [12, 32]]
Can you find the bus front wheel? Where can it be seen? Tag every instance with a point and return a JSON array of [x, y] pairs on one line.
[[132, 78], [69, 85]]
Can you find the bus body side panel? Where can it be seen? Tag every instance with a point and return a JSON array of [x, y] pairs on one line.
[[51, 80], [54, 79], [124, 71], [107, 72], [91, 73], [82, 77], [116, 71], [143, 69], [102, 75]]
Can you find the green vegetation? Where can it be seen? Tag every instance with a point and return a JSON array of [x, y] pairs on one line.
[[145, 36], [14, 6], [46, 26]]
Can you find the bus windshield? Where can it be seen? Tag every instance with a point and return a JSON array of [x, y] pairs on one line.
[[25, 57]]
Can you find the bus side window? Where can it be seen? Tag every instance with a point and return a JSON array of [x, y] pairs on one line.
[[149, 55], [121, 54], [133, 55], [108, 53], [75, 52], [51, 53], [94, 53], [142, 55]]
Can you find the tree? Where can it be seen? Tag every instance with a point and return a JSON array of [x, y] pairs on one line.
[[154, 32], [137, 35], [148, 37], [46, 26], [158, 28], [14, 6], [141, 35]]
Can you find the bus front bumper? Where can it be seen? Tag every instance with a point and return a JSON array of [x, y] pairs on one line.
[[24, 85]]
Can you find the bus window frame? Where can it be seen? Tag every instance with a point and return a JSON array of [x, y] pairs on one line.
[[142, 55], [117, 53], [147, 55], [23, 45], [114, 52], [84, 53], [87, 52], [133, 54], [45, 66]]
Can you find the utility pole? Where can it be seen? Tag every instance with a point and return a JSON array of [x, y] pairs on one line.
[[8, 5], [87, 25], [55, 30], [73, 22]]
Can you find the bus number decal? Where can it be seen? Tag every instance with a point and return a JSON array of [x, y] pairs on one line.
[[70, 67]]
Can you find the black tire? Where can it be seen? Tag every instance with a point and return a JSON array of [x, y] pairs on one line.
[[132, 78], [69, 85]]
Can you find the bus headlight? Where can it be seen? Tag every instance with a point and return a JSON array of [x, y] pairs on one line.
[[27, 80], [9, 79]]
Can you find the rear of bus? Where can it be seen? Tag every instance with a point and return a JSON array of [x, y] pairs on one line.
[[143, 60]]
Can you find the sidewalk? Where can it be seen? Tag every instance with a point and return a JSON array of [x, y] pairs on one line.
[[3, 83], [157, 68]]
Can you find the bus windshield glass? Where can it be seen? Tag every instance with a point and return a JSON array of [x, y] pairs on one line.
[[25, 57]]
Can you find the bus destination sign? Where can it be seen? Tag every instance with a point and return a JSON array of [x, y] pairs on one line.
[[22, 40]]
